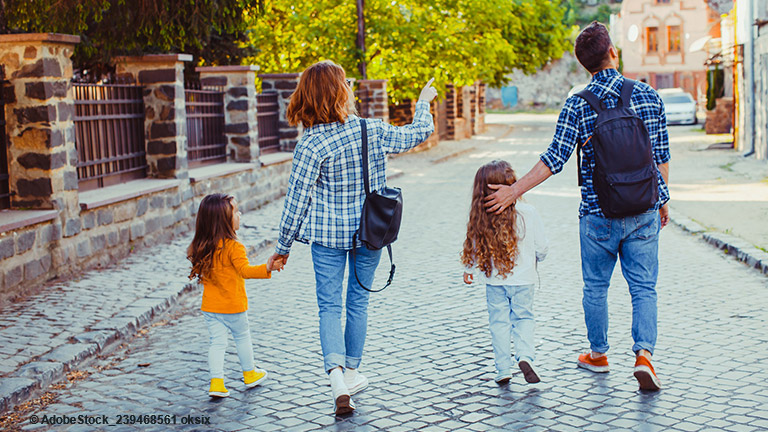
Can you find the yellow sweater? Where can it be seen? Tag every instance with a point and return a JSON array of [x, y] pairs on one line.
[[224, 289]]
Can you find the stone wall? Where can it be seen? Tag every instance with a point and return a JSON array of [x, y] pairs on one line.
[[546, 89], [54, 230], [242, 131], [109, 231], [761, 94], [284, 85]]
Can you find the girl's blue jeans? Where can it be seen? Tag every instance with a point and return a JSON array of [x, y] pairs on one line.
[[218, 326], [343, 349], [635, 241], [510, 316]]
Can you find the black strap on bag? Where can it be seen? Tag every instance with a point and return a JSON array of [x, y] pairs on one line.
[[380, 218]]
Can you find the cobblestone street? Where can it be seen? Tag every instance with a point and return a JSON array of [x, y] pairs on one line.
[[428, 354]]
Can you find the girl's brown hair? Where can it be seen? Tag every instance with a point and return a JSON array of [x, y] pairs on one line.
[[213, 225], [491, 238], [322, 96]]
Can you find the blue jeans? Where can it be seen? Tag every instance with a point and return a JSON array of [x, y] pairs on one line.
[[218, 325], [635, 240], [510, 313], [345, 350]]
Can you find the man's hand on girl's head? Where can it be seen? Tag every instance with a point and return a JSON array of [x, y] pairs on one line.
[[505, 196]]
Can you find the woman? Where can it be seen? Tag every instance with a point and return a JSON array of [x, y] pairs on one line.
[[324, 203]]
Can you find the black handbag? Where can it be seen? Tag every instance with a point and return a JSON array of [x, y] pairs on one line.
[[380, 219]]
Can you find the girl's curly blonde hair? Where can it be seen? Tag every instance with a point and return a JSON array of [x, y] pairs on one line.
[[491, 239]]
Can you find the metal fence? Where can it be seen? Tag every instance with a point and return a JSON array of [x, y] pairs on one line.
[[206, 142], [5, 190], [268, 117], [109, 134]]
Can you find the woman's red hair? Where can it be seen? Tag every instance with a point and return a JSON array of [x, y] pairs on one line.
[[322, 96], [491, 239]]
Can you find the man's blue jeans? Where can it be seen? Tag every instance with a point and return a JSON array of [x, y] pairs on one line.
[[635, 240], [343, 350]]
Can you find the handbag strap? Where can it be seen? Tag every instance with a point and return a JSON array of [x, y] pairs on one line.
[[364, 134], [354, 265]]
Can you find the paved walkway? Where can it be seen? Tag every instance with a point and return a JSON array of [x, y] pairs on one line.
[[428, 353]]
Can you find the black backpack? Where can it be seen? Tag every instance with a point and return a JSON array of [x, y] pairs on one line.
[[625, 176]]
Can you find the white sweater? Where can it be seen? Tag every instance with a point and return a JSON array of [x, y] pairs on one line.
[[532, 247]]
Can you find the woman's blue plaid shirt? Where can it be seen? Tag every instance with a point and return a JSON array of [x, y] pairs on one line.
[[577, 123], [326, 190]]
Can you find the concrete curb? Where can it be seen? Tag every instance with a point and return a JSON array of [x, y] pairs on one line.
[[36, 376], [731, 245]]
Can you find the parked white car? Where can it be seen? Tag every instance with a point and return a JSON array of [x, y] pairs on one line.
[[679, 105]]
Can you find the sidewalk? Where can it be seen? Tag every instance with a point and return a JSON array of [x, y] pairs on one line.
[[70, 322], [720, 195]]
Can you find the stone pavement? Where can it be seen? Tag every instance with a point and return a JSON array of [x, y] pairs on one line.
[[428, 354]]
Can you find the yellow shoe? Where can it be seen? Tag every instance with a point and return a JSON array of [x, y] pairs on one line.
[[217, 388], [254, 377]]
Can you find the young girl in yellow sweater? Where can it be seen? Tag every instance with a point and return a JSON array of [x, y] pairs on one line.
[[221, 263]]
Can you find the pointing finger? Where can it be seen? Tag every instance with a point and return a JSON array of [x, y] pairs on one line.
[[429, 83]]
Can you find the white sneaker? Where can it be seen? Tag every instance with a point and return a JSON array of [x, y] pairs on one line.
[[355, 381], [342, 402]]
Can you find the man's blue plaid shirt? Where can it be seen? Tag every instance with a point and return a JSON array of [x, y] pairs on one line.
[[326, 190], [577, 123]]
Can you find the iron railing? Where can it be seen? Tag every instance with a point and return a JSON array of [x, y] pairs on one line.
[[206, 142], [268, 117], [109, 134]]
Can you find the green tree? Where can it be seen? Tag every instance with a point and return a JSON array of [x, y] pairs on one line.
[[212, 30], [410, 41]]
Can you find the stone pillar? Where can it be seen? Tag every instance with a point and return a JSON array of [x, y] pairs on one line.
[[284, 85], [38, 112], [473, 108], [377, 103], [241, 130], [165, 116]]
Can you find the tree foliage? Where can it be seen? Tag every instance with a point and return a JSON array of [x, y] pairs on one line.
[[212, 30], [410, 41]]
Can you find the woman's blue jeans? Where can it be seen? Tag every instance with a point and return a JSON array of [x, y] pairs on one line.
[[218, 325], [635, 241], [343, 349]]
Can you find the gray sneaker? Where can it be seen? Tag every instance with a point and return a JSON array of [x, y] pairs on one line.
[[503, 377]]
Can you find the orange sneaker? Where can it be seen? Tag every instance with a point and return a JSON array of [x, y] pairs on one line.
[[645, 374], [598, 365]]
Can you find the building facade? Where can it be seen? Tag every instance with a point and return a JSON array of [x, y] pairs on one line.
[[657, 37]]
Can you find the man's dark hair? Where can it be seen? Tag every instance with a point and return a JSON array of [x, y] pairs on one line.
[[592, 46]]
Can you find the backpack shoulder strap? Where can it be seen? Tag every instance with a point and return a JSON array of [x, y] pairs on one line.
[[592, 100], [626, 93]]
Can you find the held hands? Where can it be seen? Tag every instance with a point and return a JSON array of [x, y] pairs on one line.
[[428, 92], [277, 262], [505, 196], [468, 278]]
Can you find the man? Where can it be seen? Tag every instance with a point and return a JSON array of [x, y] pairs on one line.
[[634, 238]]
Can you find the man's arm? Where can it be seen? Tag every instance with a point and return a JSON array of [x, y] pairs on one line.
[[550, 162], [506, 195], [664, 210]]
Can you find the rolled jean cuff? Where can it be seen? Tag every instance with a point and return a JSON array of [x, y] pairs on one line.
[[642, 346], [599, 349], [352, 362], [333, 360]]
